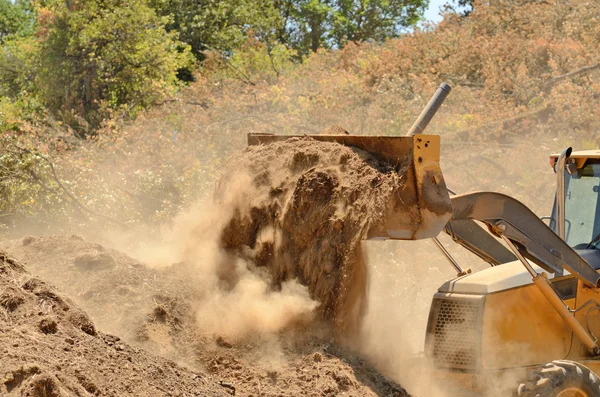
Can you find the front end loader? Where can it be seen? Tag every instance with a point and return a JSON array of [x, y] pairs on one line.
[[535, 318], [529, 324]]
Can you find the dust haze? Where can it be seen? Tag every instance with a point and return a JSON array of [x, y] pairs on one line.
[[237, 299], [232, 299]]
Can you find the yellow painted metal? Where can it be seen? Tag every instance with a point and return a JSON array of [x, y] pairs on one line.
[[580, 157], [588, 315], [541, 281], [423, 207], [521, 328]]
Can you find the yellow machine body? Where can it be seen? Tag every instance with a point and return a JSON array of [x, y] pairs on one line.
[[489, 329], [496, 337]]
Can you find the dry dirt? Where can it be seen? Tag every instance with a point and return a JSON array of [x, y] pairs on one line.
[[309, 204], [50, 348], [153, 311], [232, 297]]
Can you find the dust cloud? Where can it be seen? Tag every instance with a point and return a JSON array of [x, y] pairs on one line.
[[403, 276], [248, 291], [281, 240], [237, 297], [240, 298]]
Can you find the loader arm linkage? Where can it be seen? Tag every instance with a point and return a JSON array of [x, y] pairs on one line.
[[506, 216], [469, 234]]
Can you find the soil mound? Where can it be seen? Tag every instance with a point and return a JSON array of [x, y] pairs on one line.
[[114, 289], [51, 348], [155, 310], [307, 205]]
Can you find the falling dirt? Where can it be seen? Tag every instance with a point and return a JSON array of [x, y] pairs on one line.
[[308, 206]]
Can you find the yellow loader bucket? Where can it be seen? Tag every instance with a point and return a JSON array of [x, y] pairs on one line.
[[422, 207]]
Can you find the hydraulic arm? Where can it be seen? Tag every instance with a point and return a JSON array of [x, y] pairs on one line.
[[529, 238], [506, 216]]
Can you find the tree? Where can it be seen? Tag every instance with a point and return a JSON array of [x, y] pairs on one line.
[[102, 55], [305, 25], [362, 20], [308, 25], [221, 25], [16, 19], [313, 21]]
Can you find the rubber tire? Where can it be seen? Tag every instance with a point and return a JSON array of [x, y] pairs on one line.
[[555, 377]]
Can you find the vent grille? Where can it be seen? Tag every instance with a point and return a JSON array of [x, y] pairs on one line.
[[456, 333]]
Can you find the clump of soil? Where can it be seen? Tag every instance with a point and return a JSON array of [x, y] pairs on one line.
[[94, 260], [307, 205], [51, 348]]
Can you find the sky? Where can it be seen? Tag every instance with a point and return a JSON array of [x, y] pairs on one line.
[[433, 12]]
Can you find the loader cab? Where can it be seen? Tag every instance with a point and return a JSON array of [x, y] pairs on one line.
[[581, 200]]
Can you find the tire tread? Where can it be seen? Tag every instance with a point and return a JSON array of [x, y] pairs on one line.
[[551, 378]]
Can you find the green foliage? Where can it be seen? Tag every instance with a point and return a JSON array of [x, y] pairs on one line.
[[18, 51], [217, 24], [85, 62], [18, 67], [16, 19], [377, 20], [254, 59], [100, 56], [313, 24], [26, 185], [304, 25], [19, 101]]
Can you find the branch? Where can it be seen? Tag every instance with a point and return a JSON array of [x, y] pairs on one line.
[[203, 105], [533, 1], [245, 77], [586, 69], [136, 196], [522, 116], [535, 112], [73, 200], [165, 101], [76, 201], [462, 82], [272, 63]]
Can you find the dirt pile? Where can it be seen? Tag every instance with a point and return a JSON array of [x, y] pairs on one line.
[[50, 348], [116, 290], [307, 205], [156, 310]]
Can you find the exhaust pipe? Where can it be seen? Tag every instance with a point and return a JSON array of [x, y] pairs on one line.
[[432, 107], [560, 191]]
